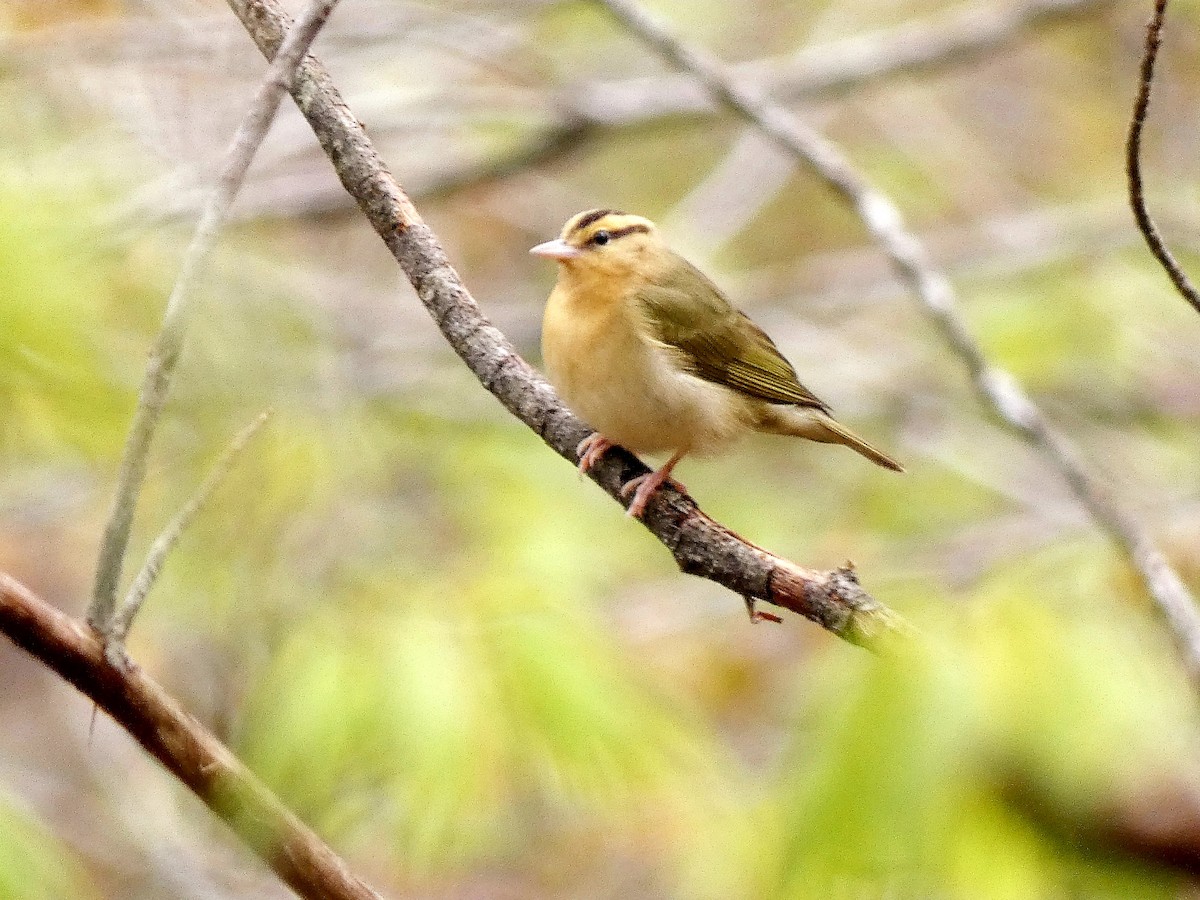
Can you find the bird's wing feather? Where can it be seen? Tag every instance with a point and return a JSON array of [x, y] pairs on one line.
[[714, 341]]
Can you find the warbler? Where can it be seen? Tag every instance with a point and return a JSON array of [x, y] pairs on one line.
[[650, 353]]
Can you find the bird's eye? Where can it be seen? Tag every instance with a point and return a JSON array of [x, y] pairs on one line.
[[600, 238]]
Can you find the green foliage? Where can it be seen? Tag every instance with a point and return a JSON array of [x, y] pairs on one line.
[[33, 865], [436, 703], [910, 773], [1062, 327], [454, 704], [58, 385]]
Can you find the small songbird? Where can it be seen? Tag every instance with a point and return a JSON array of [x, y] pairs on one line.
[[649, 352]]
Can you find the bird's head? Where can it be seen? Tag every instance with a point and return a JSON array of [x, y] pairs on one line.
[[604, 243]]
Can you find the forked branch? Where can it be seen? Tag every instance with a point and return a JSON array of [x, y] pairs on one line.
[[189, 751], [163, 545], [164, 355]]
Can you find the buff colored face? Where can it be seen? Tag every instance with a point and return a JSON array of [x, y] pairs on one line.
[[605, 242]]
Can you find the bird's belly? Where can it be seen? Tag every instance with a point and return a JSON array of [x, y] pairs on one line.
[[652, 413], [631, 392]]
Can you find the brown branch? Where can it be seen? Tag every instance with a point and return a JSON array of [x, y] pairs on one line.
[[700, 545], [1133, 163], [997, 389], [185, 748], [1158, 823]]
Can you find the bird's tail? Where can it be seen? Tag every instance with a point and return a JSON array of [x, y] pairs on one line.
[[843, 435], [819, 426]]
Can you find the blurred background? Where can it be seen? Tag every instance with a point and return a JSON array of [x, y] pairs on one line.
[[459, 661]]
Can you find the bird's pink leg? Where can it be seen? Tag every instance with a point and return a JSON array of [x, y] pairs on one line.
[[590, 449], [644, 486]]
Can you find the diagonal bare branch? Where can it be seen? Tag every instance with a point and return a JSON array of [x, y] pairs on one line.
[[996, 388], [925, 45], [1133, 163], [822, 71], [934, 43], [700, 546], [165, 353], [185, 747]]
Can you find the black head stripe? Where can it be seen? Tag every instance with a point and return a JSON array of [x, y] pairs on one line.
[[595, 216], [632, 229]]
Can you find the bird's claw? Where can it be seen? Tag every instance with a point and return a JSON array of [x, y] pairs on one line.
[[757, 615], [643, 488], [590, 449]]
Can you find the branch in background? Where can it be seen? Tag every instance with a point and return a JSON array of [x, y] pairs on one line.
[[836, 67], [580, 114], [926, 45], [700, 545], [538, 150], [191, 753], [166, 541], [1133, 163], [1158, 822], [165, 353], [999, 392], [950, 38]]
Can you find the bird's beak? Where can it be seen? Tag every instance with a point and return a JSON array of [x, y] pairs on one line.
[[556, 249]]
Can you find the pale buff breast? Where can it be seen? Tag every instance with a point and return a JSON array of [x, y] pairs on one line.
[[627, 387]]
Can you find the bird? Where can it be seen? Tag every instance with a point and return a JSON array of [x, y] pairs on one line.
[[652, 355]]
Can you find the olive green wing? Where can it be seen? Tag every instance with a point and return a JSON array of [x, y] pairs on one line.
[[714, 341]]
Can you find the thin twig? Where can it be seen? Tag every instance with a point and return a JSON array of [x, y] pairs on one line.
[[700, 546], [580, 114], [1133, 163], [185, 748], [818, 72], [165, 353], [828, 69], [166, 541], [538, 150], [996, 388], [930, 44]]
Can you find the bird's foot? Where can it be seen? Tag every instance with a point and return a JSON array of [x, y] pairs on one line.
[[590, 449], [756, 614], [643, 488]]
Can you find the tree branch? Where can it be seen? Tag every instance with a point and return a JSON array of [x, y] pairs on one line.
[[1133, 163], [585, 112], [822, 71], [572, 117], [700, 545], [165, 353], [1157, 822], [166, 541], [996, 388], [187, 750], [948, 38]]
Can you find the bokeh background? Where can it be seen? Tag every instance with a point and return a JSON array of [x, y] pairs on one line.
[[461, 662]]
